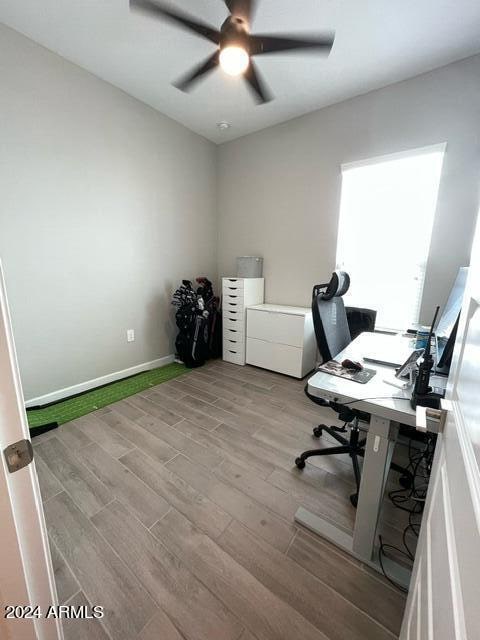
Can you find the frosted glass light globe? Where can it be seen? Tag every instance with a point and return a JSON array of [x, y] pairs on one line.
[[234, 60]]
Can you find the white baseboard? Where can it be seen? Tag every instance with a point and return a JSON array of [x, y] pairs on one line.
[[54, 396]]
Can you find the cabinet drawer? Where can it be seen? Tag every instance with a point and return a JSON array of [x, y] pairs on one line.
[[237, 346], [238, 282], [280, 328], [233, 334], [275, 357], [234, 314], [233, 303], [236, 356], [233, 289], [234, 323]]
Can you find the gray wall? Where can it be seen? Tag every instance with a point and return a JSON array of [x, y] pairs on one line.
[[105, 206], [279, 189]]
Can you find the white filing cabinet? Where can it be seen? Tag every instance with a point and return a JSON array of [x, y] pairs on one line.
[[281, 339], [237, 295]]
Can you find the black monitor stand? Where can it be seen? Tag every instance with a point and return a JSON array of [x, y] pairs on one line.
[[422, 392]]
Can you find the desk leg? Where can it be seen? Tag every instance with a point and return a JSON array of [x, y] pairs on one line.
[[378, 455], [381, 438]]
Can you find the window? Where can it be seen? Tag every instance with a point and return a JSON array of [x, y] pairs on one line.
[[386, 218]]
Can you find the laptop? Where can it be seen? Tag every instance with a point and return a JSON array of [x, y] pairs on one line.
[[388, 350]]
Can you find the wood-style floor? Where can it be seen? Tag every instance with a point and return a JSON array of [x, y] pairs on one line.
[[174, 510]]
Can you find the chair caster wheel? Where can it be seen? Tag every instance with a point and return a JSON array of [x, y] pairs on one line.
[[317, 431], [406, 482], [354, 499], [300, 462]]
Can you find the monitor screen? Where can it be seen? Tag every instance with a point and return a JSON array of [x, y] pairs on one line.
[[448, 321]]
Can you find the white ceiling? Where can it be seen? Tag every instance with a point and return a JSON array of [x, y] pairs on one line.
[[378, 42]]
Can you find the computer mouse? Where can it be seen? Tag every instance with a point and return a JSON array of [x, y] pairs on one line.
[[351, 364]]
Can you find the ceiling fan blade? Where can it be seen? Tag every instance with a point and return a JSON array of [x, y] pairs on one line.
[[185, 83], [260, 44], [158, 9], [257, 85], [242, 8]]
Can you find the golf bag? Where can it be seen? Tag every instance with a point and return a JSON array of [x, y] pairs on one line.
[[212, 304], [196, 318]]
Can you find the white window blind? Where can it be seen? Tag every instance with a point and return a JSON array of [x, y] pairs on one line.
[[386, 218]]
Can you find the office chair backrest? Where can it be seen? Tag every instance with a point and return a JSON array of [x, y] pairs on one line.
[[329, 316]]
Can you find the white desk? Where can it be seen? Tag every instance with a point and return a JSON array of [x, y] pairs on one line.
[[387, 406]]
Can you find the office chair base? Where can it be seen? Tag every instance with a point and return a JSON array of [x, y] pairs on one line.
[[300, 463], [406, 477], [318, 431]]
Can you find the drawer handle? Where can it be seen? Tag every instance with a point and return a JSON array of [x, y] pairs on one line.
[[233, 330], [233, 341], [233, 288], [233, 352]]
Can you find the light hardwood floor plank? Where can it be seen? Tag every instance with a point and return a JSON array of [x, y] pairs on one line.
[[153, 408], [124, 485], [260, 610], [177, 440], [236, 420], [49, 485], [170, 389], [184, 387], [67, 585], [81, 629], [191, 503], [97, 429], [323, 503], [268, 526], [193, 608], [138, 437], [317, 602], [251, 446], [103, 577], [71, 436], [82, 485], [130, 411], [365, 591], [183, 410], [160, 627], [277, 500], [226, 450]]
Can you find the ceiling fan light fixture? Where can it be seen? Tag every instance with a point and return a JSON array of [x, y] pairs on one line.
[[234, 60]]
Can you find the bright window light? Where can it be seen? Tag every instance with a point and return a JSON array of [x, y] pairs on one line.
[[386, 218]]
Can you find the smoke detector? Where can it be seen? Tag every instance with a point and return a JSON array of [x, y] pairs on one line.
[[223, 125]]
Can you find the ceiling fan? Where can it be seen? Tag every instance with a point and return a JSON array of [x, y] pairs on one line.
[[236, 46]]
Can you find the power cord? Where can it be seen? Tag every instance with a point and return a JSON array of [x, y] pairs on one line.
[[412, 501]]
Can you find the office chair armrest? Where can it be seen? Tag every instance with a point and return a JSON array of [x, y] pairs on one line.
[[319, 401]]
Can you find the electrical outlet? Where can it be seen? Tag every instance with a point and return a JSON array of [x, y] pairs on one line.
[[130, 335]]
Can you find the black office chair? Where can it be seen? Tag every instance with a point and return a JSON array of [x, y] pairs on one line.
[[360, 320], [333, 335]]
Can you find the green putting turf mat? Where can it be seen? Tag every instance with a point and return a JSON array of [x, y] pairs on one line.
[[69, 409]]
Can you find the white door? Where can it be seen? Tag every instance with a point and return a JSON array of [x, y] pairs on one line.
[[443, 601], [26, 575]]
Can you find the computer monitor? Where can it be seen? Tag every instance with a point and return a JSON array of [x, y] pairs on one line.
[[446, 331]]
